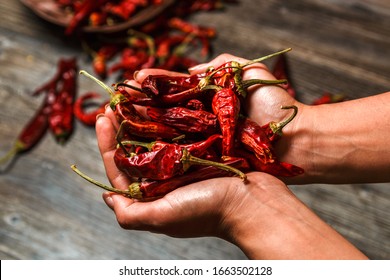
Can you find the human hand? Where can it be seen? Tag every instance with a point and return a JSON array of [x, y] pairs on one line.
[[207, 208]]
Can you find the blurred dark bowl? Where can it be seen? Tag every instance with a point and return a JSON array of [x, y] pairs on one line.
[[50, 11]]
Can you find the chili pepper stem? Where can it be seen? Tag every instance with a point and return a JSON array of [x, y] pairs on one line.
[[127, 85], [265, 57], [99, 82], [251, 82], [149, 146], [18, 147], [277, 127], [188, 160], [115, 98], [99, 184]]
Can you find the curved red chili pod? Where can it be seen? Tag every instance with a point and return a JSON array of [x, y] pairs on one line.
[[79, 108]]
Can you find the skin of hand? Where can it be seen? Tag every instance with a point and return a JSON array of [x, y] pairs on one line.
[[261, 216]]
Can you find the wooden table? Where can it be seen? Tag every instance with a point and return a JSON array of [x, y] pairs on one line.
[[49, 213]]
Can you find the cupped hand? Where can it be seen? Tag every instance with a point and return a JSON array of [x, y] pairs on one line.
[[207, 208]]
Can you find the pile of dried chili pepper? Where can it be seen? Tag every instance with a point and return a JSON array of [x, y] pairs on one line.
[[170, 41], [56, 112], [194, 129]]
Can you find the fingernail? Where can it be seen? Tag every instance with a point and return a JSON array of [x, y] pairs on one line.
[[99, 116], [135, 75], [197, 67], [108, 200]]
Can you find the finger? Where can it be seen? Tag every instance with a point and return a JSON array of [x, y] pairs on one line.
[[142, 74], [219, 60], [105, 133]]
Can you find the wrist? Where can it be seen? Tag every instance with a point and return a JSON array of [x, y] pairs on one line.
[[266, 221]]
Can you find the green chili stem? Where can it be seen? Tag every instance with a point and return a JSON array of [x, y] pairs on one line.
[[265, 57], [277, 127], [127, 85], [188, 160], [100, 185], [100, 83], [149, 146], [251, 82]]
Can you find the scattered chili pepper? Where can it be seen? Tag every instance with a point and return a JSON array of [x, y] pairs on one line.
[[31, 134], [328, 98], [61, 115], [79, 109]]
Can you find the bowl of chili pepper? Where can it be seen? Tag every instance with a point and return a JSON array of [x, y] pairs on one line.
[[97, 16]]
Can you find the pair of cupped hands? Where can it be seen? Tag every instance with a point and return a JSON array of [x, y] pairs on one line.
[[215, 207]]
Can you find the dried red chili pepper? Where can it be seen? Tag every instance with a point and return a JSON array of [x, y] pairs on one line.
[[189, 28], [82, 14], [168, 161], [154, 85], [226, 106], [147, 129], [186, 120], [31, 134], [328, 98], [195, 104], [273, 130], [197, 149], [154, 189], [253, 137], [275, 167], [79, 109], [61, 115]]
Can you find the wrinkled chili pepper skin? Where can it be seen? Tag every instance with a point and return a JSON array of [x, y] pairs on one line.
[[149, 129], [274, 167], [226, 106], [61, 116], [159, 164], [253, 137], [186, 120], [155, 189], [154, 85]]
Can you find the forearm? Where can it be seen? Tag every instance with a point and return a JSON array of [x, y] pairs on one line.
[[274, 224], [347, 142]]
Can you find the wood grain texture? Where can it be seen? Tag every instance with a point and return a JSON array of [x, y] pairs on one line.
[[49, 213]]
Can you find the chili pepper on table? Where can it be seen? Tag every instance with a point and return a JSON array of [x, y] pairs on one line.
[[79, 109], [61, 115], [168, 161], [31, 134], [328, 98], [148, 189]]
